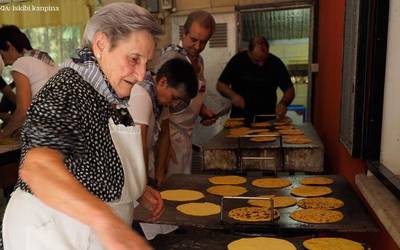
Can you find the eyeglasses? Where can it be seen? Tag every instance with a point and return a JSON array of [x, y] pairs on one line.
[[180, 104]]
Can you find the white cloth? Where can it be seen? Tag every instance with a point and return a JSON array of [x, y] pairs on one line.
[[44, 228], [35, 70], [181, 129]]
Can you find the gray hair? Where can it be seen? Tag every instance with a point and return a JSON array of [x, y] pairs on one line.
[[119, 20], [201, 17]]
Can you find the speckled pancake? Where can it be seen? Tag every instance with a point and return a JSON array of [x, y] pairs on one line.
[[252, 214], [199, 208], [320, 203], [227, 190], [327, 243], [181, 195], [316, 181], [261, 243], [317, 216], [279, 201], [227, 180], [271, 182], [311, 191]]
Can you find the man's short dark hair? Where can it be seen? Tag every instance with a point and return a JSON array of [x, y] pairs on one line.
[[13, 35], [179, 74], [201, 17], [253, 41]]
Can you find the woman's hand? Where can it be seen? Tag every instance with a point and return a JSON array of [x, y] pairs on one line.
[[151, 200], [116, 235]]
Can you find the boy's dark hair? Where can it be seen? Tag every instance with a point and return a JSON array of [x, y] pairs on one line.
[[179, 74], [13, 35]]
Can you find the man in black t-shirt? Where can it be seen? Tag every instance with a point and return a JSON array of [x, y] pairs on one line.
[[251, 78]]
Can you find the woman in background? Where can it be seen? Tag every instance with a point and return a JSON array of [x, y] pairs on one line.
[[30, 69]]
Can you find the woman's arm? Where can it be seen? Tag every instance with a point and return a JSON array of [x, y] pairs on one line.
[[23, 101], [44, 171]]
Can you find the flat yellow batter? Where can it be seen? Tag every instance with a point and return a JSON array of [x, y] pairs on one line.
[[199, 208], [311, 191], [316, 181], [227, 180], [181, 195], [271, 182], [227, 190], [261, 243], [327, 243]]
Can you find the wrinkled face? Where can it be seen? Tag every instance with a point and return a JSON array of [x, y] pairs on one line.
[[196, 39], [125, 64], [10, 55], [260, 52], [169, 96]]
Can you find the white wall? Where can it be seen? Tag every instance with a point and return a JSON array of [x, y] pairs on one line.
[[390, 143]]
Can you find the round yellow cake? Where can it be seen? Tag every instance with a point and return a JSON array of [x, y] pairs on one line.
[[227, 190], [181, 195], [327, 243], [227, 180], [261, 243]]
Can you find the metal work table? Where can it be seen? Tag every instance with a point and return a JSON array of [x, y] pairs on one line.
[[222, 153], [356, 217]]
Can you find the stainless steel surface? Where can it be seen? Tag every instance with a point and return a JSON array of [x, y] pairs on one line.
[[356, 218], [223, 153]]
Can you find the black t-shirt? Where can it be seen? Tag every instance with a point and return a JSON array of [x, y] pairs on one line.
[[256, 84]]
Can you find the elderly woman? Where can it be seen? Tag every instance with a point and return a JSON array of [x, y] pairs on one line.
[[30, 69], [77, 185]]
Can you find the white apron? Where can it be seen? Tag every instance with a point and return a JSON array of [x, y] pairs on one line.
[[181, 128], [45, 228]]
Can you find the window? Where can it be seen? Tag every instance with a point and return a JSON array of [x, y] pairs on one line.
[[363, 89], [60, 42]]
